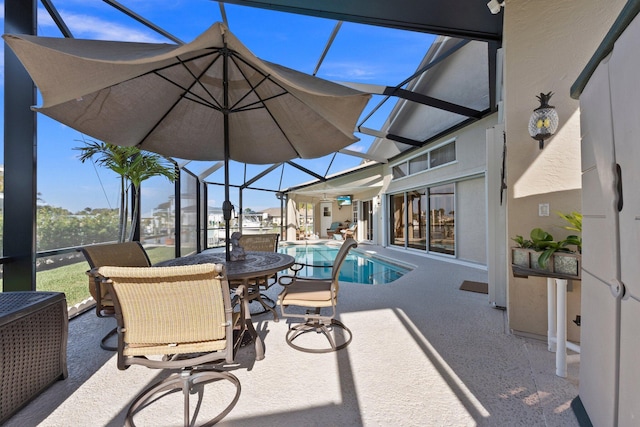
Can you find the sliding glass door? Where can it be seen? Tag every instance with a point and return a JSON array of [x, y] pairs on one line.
[[367, 220], [442, 219], [397, 220], [417, 224], [424, 219]]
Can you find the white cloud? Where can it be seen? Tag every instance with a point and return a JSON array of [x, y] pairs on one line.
[[91, 27], [351, 70]]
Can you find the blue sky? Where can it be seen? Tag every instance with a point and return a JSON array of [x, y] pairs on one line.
[[359, 53]]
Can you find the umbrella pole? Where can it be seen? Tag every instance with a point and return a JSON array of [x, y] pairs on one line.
[[227, 207], [225, 112]]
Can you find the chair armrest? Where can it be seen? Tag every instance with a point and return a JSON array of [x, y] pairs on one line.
[[240, 292], [296, 267], [299, 266], [328, 265], [97, 289], [241, 296], [286, 280]]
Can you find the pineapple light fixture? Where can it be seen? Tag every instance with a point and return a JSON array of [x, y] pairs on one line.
[[544, 120]]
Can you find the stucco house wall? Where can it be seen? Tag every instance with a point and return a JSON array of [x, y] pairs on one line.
[[546, 45]]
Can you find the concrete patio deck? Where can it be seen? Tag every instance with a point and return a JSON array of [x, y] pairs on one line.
[[424, 353]]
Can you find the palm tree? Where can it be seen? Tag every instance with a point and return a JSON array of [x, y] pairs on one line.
[[134, 166]]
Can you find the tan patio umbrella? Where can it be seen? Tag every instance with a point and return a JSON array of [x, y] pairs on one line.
[[210, 99]]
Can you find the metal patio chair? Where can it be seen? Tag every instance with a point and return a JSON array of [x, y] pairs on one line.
[[183, 314], [127, 254], [312, 295]]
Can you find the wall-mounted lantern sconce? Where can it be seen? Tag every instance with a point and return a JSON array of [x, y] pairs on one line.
[[544, 120]]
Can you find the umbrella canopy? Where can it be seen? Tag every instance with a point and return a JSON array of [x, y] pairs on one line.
[[210, 99], [170, 99]]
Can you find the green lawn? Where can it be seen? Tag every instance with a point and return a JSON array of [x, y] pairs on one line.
[[72, 280]]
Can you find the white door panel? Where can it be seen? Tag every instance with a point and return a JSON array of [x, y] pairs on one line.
[[326, 217], [598, 383], [599, 248], [600, 309], [625, 93], [625, 96], [629, 397]]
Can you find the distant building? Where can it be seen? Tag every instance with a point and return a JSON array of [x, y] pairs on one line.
[[273, 215]]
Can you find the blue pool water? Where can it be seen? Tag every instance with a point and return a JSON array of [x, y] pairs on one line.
[[359, 267]]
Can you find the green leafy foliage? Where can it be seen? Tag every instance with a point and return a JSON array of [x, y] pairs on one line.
[[542, 241], [574, 219], [133, 166], [58, 228]]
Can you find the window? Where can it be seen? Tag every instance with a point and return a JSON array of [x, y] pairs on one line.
[[443, 155], [354, 216], [433, 158], [419, 164], [400, 170], [442, 219]]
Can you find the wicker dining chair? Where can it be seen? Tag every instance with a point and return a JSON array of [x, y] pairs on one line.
[[127, 254], [312, 295], [184, 314], [267, 242]]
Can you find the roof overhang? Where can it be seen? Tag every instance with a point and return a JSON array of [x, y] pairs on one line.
[[358, 180], [468, 19]]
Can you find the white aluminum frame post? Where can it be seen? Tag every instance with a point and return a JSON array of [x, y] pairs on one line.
[[557, 324]]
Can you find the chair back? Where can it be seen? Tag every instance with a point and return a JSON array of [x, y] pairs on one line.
[[260, 242], [170, 310], [127, 254], [340, 257]]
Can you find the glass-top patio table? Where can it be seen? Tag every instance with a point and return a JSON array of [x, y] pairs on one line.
[[255, 265]]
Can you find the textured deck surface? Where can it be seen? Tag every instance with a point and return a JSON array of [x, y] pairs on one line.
[[424, 353]]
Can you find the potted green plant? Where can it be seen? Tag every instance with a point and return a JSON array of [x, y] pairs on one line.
[[548, 256], [574, 219]]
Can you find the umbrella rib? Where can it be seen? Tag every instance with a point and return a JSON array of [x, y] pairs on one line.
[[183, 95], [234, 57], [197, 79], [188, 93], [262, 101], [258, 104], [253, 90], [196, 98], [266, 77]]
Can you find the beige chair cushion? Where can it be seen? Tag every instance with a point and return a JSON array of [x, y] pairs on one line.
[[308, 293]]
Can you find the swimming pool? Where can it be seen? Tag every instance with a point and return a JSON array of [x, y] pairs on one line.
[[359, 267]]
